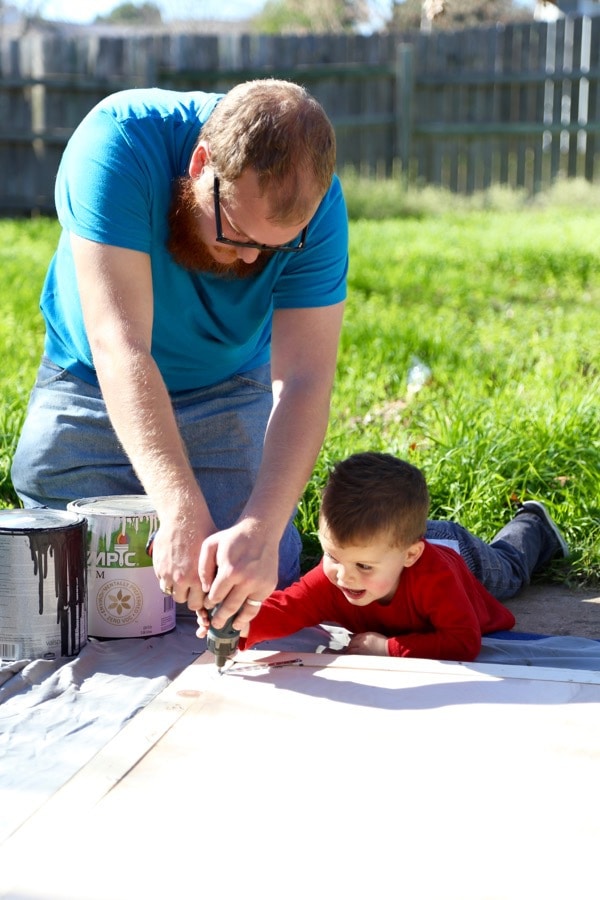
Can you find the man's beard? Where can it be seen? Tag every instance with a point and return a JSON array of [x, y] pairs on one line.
[[186, 246]]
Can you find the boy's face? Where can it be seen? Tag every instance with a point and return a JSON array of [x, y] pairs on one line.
[[366, 574]]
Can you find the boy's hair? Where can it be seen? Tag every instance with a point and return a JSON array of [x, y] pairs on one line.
[[278, 129], [368, 494]]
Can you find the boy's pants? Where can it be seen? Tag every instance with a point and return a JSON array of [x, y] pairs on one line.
[[506, 564]]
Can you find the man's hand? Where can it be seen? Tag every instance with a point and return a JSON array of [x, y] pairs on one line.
[[369, 643], [241, 623], [238, 569], [203, 622], [175, 555]]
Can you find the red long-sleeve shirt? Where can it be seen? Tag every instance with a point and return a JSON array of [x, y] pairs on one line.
[[439, 611]]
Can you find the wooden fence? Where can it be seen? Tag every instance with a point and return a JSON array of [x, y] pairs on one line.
[[515, 105]]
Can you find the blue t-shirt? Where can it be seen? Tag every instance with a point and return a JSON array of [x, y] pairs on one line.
[[114, 186]]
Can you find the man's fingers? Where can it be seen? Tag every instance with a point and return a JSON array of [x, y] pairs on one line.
[[203, 623], [248, 611], [195, 597], [192, 594], [207, 565]]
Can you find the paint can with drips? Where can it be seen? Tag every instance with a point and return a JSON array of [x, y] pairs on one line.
[[124, 596], [43, 584]]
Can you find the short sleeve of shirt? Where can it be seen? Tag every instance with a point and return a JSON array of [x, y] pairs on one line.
[[317, 275], [115, 177]]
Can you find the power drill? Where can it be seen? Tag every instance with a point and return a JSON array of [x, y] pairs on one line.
[[222, 642]]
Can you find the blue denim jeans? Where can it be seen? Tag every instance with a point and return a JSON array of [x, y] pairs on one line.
[[68, 450], [505, 565]]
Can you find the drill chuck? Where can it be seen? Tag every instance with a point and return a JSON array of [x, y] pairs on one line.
[[222, 641]]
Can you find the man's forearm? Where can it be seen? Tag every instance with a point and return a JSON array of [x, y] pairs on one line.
[[140, 410], [292, 443]]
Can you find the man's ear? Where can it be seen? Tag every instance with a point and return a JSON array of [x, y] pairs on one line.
[[414, 552], [199, 159]]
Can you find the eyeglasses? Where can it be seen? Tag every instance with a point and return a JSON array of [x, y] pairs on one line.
[[251, 245]]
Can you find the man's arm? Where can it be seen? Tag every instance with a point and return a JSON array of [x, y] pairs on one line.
[[115, 286], [241, 562]]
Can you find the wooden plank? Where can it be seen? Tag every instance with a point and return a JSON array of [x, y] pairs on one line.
[[338, 777], [569, 106], [558, 33]]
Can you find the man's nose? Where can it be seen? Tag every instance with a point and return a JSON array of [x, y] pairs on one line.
[[247, 255]]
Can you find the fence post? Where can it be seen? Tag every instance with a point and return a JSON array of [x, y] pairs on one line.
[[404, 66]]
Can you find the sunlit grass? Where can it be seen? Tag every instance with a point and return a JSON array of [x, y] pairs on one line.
[[25, 250], [504, 309]]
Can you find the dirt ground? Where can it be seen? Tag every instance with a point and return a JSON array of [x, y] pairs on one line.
[[554, 609]]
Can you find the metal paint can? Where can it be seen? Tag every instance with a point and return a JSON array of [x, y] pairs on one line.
[[124, 596], [43, 592]]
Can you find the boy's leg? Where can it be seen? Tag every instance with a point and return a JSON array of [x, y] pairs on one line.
[[527, 543], [534, 535], [502, 569], [553, 544]]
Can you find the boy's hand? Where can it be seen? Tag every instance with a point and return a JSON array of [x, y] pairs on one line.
[[204, 624], [369, 643]]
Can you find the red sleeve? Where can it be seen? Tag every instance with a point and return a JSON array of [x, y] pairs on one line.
[[453, 630], [307, 602]]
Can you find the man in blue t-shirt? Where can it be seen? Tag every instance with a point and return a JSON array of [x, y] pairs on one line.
[[193, 310]]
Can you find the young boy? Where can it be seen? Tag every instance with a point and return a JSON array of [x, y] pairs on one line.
[[385, 579]]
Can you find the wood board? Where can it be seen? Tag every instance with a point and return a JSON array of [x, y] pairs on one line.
[[358, 776]]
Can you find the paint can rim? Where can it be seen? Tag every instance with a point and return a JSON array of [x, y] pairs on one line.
[[24, 521], [114, 505]]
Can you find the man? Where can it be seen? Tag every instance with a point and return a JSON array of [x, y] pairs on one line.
[[193, 311]]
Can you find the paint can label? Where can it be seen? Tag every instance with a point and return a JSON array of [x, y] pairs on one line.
[[43, 584], [124, 596]]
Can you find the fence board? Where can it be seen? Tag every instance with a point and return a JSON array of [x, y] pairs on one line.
[[592, 148]]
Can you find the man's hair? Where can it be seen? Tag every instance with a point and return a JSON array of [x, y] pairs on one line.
[[278, 129], [369, 494]]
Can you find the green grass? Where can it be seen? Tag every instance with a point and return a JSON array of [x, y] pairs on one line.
[[499, 296], [503, 305], [25, 249]]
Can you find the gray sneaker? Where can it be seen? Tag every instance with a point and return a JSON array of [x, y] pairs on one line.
[[534, 506]]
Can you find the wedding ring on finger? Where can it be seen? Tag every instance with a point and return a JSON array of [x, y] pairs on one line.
[[168, 590], [251, 602]]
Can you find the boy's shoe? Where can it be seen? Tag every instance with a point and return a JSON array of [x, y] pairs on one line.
[[534, 506]]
